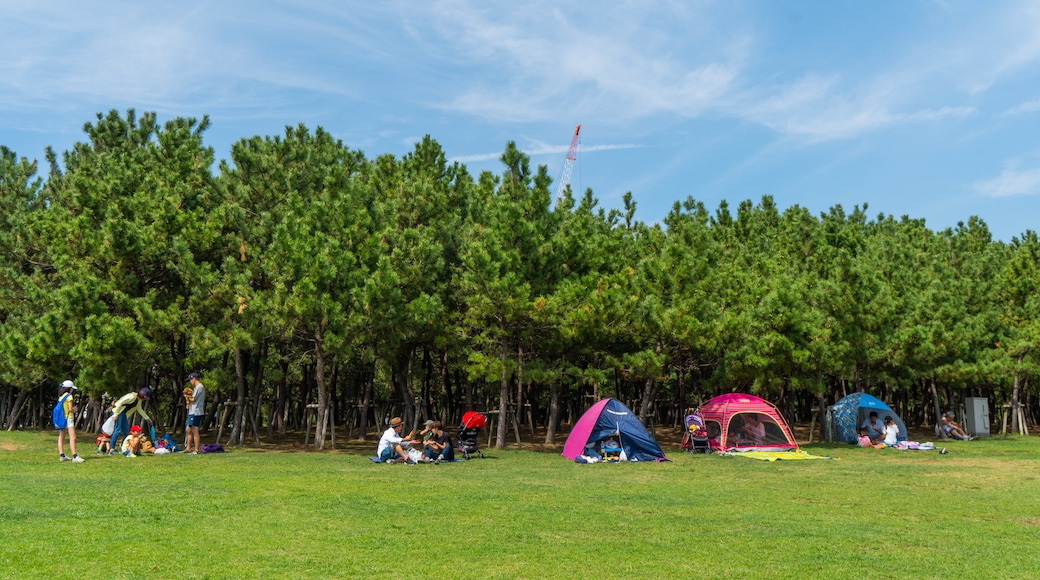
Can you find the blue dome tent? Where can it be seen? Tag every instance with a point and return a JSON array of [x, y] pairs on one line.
[[611, 417], [844, 417]]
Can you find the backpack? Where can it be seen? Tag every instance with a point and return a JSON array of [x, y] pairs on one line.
[[169, 443], [58, 414], [211, 448]]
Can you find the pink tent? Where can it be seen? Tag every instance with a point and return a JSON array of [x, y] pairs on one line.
[[741, 422]]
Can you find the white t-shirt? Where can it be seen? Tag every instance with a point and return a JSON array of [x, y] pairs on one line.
[[891, 434], [388, 438]]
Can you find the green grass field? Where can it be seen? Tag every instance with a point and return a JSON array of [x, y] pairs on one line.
[[973, 513]]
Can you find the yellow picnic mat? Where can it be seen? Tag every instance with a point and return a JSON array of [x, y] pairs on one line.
[[777, 455]]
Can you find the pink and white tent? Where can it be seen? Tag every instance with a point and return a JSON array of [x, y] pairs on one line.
[[742, 422]]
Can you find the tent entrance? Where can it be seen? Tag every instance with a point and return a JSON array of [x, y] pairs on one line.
[[751, 429]]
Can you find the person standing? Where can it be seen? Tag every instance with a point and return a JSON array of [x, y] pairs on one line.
[[65, 419], [125, 406], [196, 413]]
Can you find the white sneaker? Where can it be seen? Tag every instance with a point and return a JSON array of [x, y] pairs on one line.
[[63, 458], [78, 459]]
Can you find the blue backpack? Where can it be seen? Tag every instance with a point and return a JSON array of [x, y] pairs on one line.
[[58, 414], [169, 443]]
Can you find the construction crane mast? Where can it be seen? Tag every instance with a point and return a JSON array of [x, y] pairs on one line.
[[568, 165]]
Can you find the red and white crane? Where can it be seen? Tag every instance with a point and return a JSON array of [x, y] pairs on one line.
[[568, 164]]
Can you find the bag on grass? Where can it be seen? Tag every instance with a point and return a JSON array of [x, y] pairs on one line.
[[211, 448], [169, 443]]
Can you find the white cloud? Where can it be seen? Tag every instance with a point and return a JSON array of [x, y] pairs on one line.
[[1024, 108], [1011, 181], [617, 61], [542, 149]]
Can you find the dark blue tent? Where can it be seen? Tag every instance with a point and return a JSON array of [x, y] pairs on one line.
[[608, 417], [844, 417]]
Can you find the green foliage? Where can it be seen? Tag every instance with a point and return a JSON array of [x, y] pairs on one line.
[[303, 259]]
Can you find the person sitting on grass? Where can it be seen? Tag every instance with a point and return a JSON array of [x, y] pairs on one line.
[[438, 446], [953, 429], [891, 432], [132, 443], [873, 428], [391, 447]]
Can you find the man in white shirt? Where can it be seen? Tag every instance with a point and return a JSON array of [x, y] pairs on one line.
[[390, 447]]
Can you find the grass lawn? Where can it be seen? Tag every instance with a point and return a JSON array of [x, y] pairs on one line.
[[973, 513]]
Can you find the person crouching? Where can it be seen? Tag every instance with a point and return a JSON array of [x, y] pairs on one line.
[[132, 442]]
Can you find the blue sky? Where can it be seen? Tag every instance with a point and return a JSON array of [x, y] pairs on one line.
[[923, 108]]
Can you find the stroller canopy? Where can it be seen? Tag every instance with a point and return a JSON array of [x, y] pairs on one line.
[[608, 417], [844, 417], [742, 422]]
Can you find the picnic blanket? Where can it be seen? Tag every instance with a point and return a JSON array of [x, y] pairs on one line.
[[777, 455], [913, 445], [376, 459]]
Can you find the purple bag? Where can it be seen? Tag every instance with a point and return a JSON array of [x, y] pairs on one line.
[[211, 448]]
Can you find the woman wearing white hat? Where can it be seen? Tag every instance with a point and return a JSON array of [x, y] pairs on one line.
[[65, 418]]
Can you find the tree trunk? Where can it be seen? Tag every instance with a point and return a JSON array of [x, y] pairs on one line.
[[467, 387], [554, 411], [938, 409], [646, 402], [16, 409], [240, 396], [503, 402], [323, 393], [1014, 396], [401, 376], [519, 382], [283, 395], [446, 393], [258, 375], [366, 403], [680, 402]]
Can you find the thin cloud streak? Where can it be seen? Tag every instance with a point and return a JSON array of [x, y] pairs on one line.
[[542, 150], [1012, 181]]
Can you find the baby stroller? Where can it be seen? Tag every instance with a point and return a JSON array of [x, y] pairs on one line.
[[466, 438], [695, 439]]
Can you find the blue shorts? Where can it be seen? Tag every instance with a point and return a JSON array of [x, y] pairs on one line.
[[195, 420], [388, 454]]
